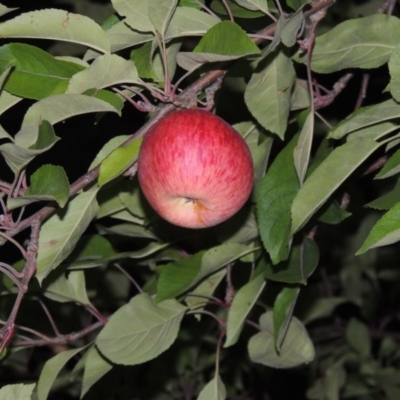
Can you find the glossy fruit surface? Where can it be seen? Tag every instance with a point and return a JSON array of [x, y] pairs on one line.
[[195, 170]]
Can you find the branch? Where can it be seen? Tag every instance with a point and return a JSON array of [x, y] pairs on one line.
[[164, 109]]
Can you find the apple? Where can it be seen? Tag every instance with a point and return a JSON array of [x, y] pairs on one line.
[[195, 170]]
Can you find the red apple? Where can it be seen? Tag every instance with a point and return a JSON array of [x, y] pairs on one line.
[[195, 169]]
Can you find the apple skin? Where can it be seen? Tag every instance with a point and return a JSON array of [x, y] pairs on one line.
[[195, 170]]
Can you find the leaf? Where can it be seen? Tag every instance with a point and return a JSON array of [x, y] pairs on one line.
[[238, 44], [55, 109], [282, 314], [302, 151], [95, 368], [188, 21], [160, 13], [327, 177], [322, 307], [18, 157], [36, 74], [136, 13], [296, 349], [391, 167], [268, 93], [172, 50], [205, 288], [7, 100], [356, 43], [358, 337], [49, 183], [214, 390], [68, 289], [17, 392], [367, 116], [291, 28], [5, 10], [242, 304], [118, 162], [176, 277], [60, 233], [56, 25], [106, 70], [141, 56], [295, 4], [275, 195], [140, 330], [51, 369], [386, 231], [394, 70], [303, 259], [388, 200], [237, 11]]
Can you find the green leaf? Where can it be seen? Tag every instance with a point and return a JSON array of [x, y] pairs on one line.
[[7, 100], [107, 149], [394, 70], [386, 231], [303, 260], [388, 200], [321, 308], [261, 5], [17, 392], [188, 21], [60, 233], [391, 167], [269, 90], [214, 390], [172, 50], [176, 277], [282, 314], [140, 330], [358, 337], [327, 177], [68, 289], [242, 304], [237, 11], [57, 25], [48, 183], [18, 157], [205, 288], [55, 109], [160, 13], [118, 162], [95, 368], [302, 151], [291, 28], [51, 369], [367, 116], [332, 213], [136, 13], [296, 4], [142, 57], [356, 43], [296, 349], [275, 195], [237, 43], [36, 74], [106, 70], [212, 49]]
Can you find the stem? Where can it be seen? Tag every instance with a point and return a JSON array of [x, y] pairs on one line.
[[228, 10], [134, 283]]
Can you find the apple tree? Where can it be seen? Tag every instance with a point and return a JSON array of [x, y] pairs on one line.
[[298, 292]]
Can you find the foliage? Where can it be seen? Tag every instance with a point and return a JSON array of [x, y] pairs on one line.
[[100, 298]]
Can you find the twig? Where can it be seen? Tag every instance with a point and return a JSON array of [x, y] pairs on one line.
[[363, 91], [50, 318]]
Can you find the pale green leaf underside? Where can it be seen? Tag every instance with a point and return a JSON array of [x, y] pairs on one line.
[[242, 304], [140, 330], [60, 233], [57, 25], [107, 70], [17, 392], [366, 42], [214, 390], [297, 348]]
